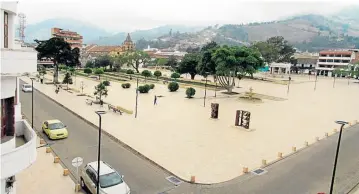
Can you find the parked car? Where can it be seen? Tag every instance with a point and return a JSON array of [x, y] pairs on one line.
[[111, 182], [55, 129], [26, 88]]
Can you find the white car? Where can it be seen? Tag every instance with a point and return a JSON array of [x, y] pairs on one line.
[[26, 88], [111, 182]]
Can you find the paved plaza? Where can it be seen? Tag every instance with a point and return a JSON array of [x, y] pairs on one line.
[[179, 135]]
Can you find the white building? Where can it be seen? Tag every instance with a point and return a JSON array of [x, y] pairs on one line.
[[330, 60], [280, 68], [18, 139]]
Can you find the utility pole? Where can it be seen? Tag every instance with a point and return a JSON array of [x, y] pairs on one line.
[[136, 98]]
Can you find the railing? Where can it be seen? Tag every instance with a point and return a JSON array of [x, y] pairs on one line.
[[15, 160]]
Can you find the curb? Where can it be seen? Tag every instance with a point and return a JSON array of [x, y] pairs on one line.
[[126, 146]]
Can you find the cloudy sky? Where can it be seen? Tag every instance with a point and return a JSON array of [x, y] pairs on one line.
[[129, 15]]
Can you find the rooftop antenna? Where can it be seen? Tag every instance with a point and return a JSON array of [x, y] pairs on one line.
[[22, 26]]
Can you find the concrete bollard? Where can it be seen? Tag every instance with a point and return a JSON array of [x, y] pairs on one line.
[[56, 159], [48, 149], [264, 162], [317, 138], [294, 149], [245, 169], [77, 187], [326, 135], [193, 179], [335, 130], [66, 172], [306, 143], [42, 141], [280, 155]]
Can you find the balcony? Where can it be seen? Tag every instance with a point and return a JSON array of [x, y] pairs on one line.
[[19, 152], [15, 62]]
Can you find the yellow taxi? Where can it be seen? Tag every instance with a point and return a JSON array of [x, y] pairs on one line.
[[54, 129]]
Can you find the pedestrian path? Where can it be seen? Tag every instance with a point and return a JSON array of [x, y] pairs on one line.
[[44, 176]]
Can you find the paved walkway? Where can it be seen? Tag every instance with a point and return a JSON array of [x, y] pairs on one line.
[[44, 177], [180, 128]]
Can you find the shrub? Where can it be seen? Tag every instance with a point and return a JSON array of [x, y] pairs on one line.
[[190, 92], [157, 74], [173, 86], [88, 70], [99, 71], [130, 71], [144, 89], [126, 85], [146, 73], [106, 83], [175, 75], [152, 86]]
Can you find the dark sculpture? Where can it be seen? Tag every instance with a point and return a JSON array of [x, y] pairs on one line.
[[214, 112], [243, 118]]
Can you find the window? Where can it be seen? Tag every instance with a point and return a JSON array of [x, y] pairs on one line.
[[109, 180], [91, 175], [6, 30], [55, 126]]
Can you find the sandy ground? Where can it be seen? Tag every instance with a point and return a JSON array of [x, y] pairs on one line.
[[44, 177], [179, 135]]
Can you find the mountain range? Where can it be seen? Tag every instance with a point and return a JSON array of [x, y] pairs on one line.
[[306, 32]]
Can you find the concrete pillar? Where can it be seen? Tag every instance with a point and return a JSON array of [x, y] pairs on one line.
[[17, 104]]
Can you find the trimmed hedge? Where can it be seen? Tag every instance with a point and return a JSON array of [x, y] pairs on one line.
[[190, 92], [130, 71], [106, 83], [126, 85], [144, 89], [173, 86], [175, 75], [88, 70], [152, 86]]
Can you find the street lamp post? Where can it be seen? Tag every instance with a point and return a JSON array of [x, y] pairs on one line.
[[342, 123], [99, 113], [32, 102], [205, 91], [289, 79], [136, 98], [316, 78]]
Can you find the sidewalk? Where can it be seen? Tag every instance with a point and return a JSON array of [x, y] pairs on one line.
[[44, 176]]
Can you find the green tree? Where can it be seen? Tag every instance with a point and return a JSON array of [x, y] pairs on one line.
[[101, 90], [207, 64], [103, 61], [235, 62], [59, 51], [90, 64], [135, 58], [88, 71], [172, 62], [72, 70], [146, 74], [275, 49], [67, 79], [119, 61], [161, 61], [157, 74], [189, 64], [190, 92]]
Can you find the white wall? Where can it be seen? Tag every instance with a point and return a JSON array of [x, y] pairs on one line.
[[12, 18], [8, 86], [18, 61]]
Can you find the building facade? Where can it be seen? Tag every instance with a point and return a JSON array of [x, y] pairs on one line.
[[330, 60], [73, 38], [91, 52], [18, 139]]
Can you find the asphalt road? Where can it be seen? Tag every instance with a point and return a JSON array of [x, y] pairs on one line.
[[308, 171], [141, 176]]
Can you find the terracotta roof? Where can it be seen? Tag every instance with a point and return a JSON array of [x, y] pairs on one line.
[[105, 49], [336, 52]]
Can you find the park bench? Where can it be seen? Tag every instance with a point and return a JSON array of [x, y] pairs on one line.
[[89, 102], [115, 109]]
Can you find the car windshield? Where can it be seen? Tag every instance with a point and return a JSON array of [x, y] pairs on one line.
[[56, 126], [109, 180], [27, 86]]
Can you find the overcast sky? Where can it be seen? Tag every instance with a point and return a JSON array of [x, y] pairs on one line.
[[129, 15]]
